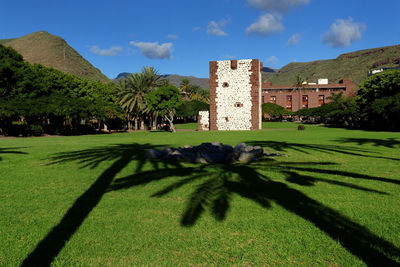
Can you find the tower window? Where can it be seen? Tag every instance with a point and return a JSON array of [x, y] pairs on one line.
[[238, 105]]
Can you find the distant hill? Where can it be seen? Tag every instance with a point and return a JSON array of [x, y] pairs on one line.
[[53, 51], [176, 80], [353, 65]]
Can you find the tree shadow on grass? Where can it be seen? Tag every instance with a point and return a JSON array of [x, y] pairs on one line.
[[120, 155], [329, 149], [388, 142], [215, 184], [11, 150]]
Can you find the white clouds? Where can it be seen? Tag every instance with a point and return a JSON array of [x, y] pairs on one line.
[[343, 33], [271, 21], [280, 6], [172, 37], [272, 61], [215, 28], [266, 24], [154, 50], [294, 39], [111, 52], [195, 29]]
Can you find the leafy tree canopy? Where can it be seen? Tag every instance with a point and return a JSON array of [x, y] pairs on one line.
[[379, 100], [191, 108], [165, 101], [274, 110]]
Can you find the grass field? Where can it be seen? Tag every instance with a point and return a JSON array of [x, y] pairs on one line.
[[192, 126], [95, 200]]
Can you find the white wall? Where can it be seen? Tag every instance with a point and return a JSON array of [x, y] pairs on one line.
[[239, 90], [322, 81], [205, 120]]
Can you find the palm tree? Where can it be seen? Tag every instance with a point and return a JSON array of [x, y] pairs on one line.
[[185, 88], [133, 91], [152, 77], [153, 80], [200, 94]]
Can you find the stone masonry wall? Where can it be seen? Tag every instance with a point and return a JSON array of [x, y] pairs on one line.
[[235, 95], [203, 121]]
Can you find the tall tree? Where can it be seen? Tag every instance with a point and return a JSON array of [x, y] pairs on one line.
[[185, 87], [132, 92], [165, 101], [379, 100]]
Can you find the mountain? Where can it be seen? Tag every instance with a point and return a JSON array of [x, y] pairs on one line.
[[53, 51], [353, 65], [176, 80]]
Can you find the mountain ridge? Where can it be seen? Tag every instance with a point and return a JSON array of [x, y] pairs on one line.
[[354, 65], [52, 51]]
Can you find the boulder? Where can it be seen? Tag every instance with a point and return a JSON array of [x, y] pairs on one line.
[[153, 154], [214, 152]]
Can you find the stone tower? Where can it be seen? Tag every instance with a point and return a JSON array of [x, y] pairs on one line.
[[235, 95]]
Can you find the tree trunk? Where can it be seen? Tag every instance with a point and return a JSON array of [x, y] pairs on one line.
[[141, 124], [136, 124], [129, 124], [154, 122], [170, 121]]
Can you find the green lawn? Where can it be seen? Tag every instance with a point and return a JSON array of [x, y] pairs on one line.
[[95, 200], [192, 126]]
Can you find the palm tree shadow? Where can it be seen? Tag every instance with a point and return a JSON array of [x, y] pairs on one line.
[[329, 149], [219, 182], [49, 247], [356, 238], [388, 142], [11, 150], [215, 186], [215, 191]]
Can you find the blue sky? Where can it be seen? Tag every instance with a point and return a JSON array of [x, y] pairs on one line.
[[182, 36]]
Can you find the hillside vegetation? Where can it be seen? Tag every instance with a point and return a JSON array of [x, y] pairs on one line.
[[53, 51], [353, 65]]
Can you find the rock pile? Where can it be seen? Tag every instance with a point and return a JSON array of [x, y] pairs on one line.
[[214, 152]]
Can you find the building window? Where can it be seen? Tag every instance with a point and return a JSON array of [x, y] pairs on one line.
[[225, 84], [321, 100], [289, 103], [305, 101], [272, 99], [262, 99]]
